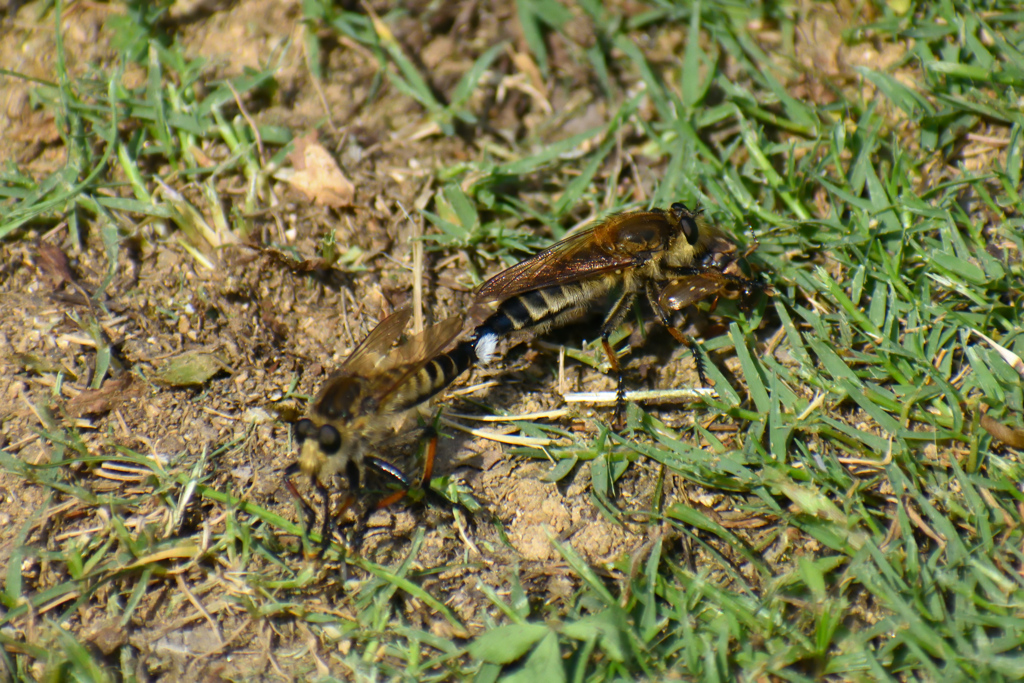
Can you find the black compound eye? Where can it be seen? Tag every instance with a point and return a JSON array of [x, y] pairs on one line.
[[690, 229], [304, 429], [687, 221], [330, 440]]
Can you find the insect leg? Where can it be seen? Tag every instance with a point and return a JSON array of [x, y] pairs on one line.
[[401, 478], [386, 468], [308, 513], [428, 459], [611, 322], [428, 470], [327, 527], [353, 476], [684, 339], [395, 473]]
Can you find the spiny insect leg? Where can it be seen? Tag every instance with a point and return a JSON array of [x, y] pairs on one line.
[[387, 469], [428, 469], [308, 513], [355, 480], [698, 355], [611, 322], [620, 384], [399, 476], [326, 527], [395, 473], [679, 336]]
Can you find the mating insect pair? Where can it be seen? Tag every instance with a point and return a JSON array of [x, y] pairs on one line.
[[674, 258]]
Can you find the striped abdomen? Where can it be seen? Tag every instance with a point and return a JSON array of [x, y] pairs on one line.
[[433, 377], [536, 311]]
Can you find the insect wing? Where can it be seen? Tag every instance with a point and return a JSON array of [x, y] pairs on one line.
[[721, 254], [420, 350], [375, 348], [425, 345], [688, 290], [574, 258]]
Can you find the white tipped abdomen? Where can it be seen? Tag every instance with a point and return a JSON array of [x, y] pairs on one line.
[[485, 347]]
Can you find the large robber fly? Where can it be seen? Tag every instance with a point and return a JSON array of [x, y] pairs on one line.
[[674, 258], [360, 404]]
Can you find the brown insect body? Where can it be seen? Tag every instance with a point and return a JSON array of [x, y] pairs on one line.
[[692, 289], [359, 404], [632, 247], [627, 254], [717, 276]]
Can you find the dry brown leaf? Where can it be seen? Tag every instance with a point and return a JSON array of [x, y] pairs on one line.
[[102, 400], [53, 264], [317, 174], [1008, 435]]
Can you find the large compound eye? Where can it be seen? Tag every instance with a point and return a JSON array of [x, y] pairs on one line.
[[330, 440], [687, 221], [304, 429]]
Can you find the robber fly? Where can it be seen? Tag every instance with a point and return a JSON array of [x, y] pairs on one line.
[[626, 255], [361, 402]]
